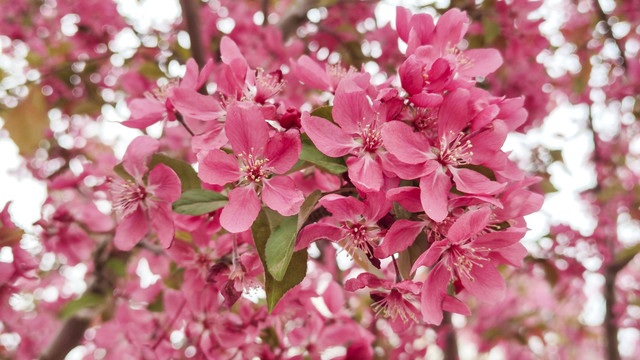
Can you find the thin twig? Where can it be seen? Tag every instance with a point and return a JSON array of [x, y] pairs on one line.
[[191, 16]]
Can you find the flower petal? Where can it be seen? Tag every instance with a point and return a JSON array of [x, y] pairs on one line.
[[469, 224], [283, 151], [246, 129], [136, 158], [280, 194], [164, 183], [434, 194], [217, 167], [131, 230], [315, 232], [194, 105], [161, 219], [485, 283], [405, 144], [342, 207], [399, 237], [351, 108], [434, 292], [454, 114], [472, 182], [327, 137], [145, 112], [241, 211], [482, 62], [365, 173]]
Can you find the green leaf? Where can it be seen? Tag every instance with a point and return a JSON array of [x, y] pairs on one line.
[[117, 266], [28, 122], [88, 300], [296, 271], [307, 207], [324, 112], [120, 171], [199, 202], [187, 175], [157, 305], [279, 248], [311, 154], [491, 30]]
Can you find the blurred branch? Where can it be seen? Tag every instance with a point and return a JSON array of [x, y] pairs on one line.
[[451, 343], [610, 325], [295, 16], [609, 33], [191, 16]]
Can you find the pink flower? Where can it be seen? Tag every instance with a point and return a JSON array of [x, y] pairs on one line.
[[160, 105], [357, 134], [438, 164], [466, 255], [141, 204], [260, 157], [353, 223], [309, 72], [395, 303]]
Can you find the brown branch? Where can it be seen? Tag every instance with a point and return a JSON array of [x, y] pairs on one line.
[[610, 325], [191, 16], [295, 16], [609, 33], [450, 341]]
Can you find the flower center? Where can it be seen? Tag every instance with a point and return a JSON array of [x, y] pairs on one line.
[[395, 304], [458, 152], [462, 259], [360, 236], [267, 85], [126, 195], [371, 139], [253, 167]]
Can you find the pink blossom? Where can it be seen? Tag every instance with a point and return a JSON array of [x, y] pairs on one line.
[[261, 158], [139, 202]]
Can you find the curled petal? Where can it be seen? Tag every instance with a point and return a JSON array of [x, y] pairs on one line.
[[315, 232]]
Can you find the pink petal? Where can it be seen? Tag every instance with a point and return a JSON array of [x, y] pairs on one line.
[[162, 222], [408, 197], [241, 211], [512, 255], [405, 144], [451, 28], [472, 182], [190, 79], [425, 99], [454, 305], [217, 167], [204, 74], [164, 183], [351, 108], [486, 283], [399, 237], [315, 232], [214, 138], [469, 224], [403, 17], [246, 129], [327, 137], [499, 239], [434, 194], [136, 158], [365, 173], [411, 75], [194, 105], [454, 114], [398, 168], [434, 292], [423, 26], [145, 112], [230, 54], [310, 73], [334, 297], [280, 194], [342, 207], [283, 151], [482, 62], [429, 257], [131, 230]]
